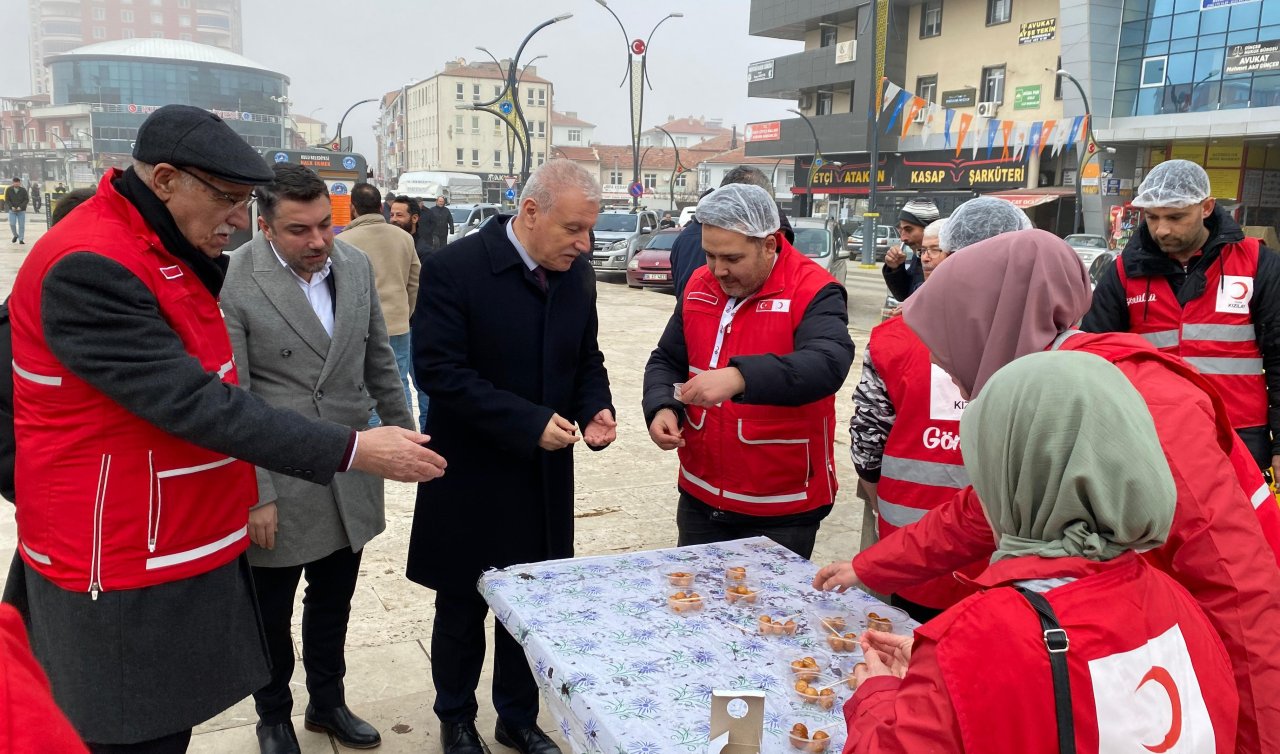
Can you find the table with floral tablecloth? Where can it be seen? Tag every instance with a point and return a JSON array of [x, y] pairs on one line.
[[624, 674]]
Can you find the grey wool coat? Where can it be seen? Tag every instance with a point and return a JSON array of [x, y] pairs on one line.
[[284, 355]]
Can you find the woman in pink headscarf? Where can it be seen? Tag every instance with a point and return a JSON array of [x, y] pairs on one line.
[[1023, 292]]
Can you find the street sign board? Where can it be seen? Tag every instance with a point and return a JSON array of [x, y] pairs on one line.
[[511, 181], [1108, 166], [1026, 97], [1037, 31], [1212, 4], [760, 71], [1252, 58], [510, 194], [768, 131], [960, 98], [636, 189]]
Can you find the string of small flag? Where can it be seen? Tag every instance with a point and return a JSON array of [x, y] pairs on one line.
[[1013, 138]]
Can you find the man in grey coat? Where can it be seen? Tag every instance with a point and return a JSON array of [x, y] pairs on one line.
[[308, 333]]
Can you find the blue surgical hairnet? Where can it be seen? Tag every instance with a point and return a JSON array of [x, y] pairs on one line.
[[741, 208]]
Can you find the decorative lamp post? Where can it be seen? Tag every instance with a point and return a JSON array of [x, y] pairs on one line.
[[336, 144], [1086, 152], [815, 165], [677, 169]]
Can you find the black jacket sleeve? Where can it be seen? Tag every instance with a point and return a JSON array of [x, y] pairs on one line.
[[816, 368], [105, 326], [1109, 312], [1266, 319], [668, 364], [591, 393], [904, 279]]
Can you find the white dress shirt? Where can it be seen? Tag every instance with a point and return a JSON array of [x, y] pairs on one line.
[[511, 236], [316, 290]]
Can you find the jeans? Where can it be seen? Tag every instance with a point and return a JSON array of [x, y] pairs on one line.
[[404, 361], [18, 224], [423, 400]]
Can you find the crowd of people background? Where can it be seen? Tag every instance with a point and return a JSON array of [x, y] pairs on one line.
[[1038, 460]]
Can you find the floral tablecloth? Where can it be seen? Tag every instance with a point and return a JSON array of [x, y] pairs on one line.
[[624, 674]]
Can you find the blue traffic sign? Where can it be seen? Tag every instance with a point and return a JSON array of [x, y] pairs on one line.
[[636, 189], [510, 194], [506, 108]]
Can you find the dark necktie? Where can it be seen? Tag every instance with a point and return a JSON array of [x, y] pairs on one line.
[[540, 275]]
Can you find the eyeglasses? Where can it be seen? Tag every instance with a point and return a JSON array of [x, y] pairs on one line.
[[219, 193]]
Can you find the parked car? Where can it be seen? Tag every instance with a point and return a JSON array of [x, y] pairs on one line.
[[467, 217], [821, 240], [1087, 246], [651, 266], [1104, 260], [619, 235], [886, 236], [686, 215]]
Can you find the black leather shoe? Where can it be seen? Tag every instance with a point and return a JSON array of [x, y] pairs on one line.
[[278, 739], [461, 738], [525, 740], [343, 725]]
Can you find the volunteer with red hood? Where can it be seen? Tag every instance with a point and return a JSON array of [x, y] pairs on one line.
[[1193, 285], [1021, 293], [744, 379], [1064, 454]]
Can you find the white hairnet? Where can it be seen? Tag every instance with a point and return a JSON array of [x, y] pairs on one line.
[[934, 229], [741, 208], [1173, 184], [979, 219]]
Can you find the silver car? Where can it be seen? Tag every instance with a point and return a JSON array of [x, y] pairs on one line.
[[821, 240], [1087, 246]]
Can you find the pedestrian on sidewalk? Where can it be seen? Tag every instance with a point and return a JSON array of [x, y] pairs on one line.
[[504, 341], [1066, 460], [132, 506], [1191, 283], [902, 275], [37, 197], [1020, 293], [439, 223], [743, 381], [396, 269], [16, 198], [325, 355]]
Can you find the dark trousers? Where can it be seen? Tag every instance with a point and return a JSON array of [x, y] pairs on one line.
[[697, 526], [175, 743], [457, 655], [326, 606]]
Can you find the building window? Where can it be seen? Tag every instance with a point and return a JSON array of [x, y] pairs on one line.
[[157, 19], [497, 91], [542, 96], [615, 177], [927, 88], [542, 157], [497, 158], [1153, 71], [100, 14], [542, 129], [126, 33], [575, 135], [680, 180], [682, 141], [528, 96], [999, 11], [184, 3], [184, 21], [650, 181], [475, 92], [475, 157], [475, 124], [824, 103], [126, 16], [181, 37], [931, 18], [497, 127], [460, 96], [829, 36], [99, 32], [157, 35], [993, 84]]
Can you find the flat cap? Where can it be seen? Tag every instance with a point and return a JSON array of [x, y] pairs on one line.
[[186, 136]]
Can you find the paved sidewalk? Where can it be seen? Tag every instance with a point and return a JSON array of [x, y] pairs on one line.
[[625, 500]]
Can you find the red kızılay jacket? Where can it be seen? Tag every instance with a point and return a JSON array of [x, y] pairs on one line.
[[30, 720], [1147, 670], [106, 500], [754, 459], [1220, 545]]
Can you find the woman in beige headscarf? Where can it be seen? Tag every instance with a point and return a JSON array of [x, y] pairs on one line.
[[1021, 293], [1065, 457]]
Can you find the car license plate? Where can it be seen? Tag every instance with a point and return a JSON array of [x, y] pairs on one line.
[[597, 262], [655, 276]]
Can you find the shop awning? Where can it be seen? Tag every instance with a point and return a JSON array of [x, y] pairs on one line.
[[1023, 201]]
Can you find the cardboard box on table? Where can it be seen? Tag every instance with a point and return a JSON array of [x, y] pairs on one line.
[[737, 722]]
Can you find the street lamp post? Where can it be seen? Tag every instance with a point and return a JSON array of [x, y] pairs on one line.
[[337, 139], [506, 106], [816, 163], [515, 94], [93, 157], [638, 73], [677, 169], [284, 103], [1086, 152]]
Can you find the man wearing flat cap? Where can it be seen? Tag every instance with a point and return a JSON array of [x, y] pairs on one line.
[[136, 448]]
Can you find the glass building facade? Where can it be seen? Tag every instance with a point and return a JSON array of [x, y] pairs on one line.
[[1172, 55]]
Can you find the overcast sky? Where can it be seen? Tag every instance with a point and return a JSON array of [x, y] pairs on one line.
[[339, 52]]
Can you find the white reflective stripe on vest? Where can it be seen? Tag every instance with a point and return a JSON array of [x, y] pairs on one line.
[[1162, 338], [1224, 365], [899, 515], [202, 551], [36, 556], [1261, 496], [925, 472], [39, 379], [1063, 337], [745, 441], [1220, 333], [765, 499], [194, 469], [222, 370]]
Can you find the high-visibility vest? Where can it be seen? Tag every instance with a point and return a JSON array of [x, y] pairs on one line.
[[756, 460], [1214, 332], [107, 500]]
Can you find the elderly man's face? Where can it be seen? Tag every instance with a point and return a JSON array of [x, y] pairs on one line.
[[302, 234], [740, 263], [206, 209], [555, 238], [439, 201], [931, 255]]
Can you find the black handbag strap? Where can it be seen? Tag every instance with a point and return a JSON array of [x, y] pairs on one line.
[[1056, 641]]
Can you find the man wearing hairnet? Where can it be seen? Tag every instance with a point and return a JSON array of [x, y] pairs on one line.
[[743, 380], [1194, 286]]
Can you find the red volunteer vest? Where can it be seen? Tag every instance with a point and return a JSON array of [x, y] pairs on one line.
[[922, 466], [756, 460], [106, 500], [1214, 333]]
